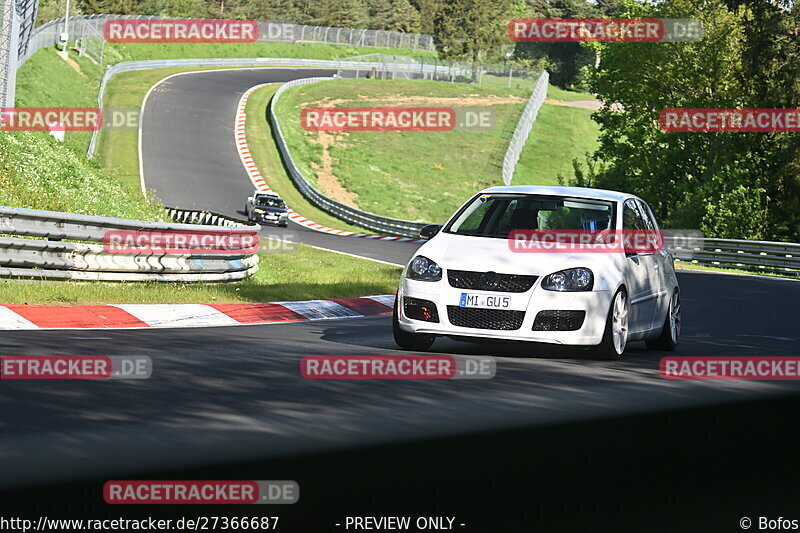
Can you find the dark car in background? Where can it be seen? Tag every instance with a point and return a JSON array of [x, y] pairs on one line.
[[267, 209]]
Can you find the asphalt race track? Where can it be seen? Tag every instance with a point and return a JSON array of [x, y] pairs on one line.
[[191, 161], [235, 394]]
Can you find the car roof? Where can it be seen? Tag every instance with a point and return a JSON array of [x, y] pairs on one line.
[[579, 192]]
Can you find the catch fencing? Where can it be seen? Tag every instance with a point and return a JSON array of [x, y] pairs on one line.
[[524, 126], [9, 35], [49, 256], [90, 27]]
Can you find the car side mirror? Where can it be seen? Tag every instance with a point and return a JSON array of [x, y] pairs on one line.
[[429, 231]]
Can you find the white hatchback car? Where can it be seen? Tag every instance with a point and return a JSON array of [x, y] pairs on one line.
[[468, 281]]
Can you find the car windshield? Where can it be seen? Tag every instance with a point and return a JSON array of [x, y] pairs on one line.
[[269, 201], [497, 215]]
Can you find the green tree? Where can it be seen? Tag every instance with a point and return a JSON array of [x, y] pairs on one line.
[[342, 13], [404, 17], [427, 15], [564, 60], [472, 30], [379, 12], [770, 75], [741, 185]]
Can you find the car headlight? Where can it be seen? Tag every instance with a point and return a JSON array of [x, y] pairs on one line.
[[423, 269], [570, 280], [258, 210]]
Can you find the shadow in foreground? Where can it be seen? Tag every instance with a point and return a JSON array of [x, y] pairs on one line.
[[694, 470]]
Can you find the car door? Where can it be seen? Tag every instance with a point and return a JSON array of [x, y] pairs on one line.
[[662, 261], [641, 273]]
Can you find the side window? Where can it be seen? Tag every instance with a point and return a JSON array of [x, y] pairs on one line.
[[647, 213], [631, 218]]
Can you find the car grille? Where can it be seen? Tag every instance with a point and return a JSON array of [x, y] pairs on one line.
[[470, 317], [489, 281], [418, 309], [558, 320]]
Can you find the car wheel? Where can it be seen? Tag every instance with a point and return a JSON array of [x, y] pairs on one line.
[[615, 337], [409, 341], [671, 331]]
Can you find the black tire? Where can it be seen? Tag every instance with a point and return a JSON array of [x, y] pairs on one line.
[[668, 339], [418, 342], [607, 349]]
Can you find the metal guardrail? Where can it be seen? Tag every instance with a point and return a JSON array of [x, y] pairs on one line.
[[49, 257], [524, 126], [771, 256], [371, 221], [190, 216]]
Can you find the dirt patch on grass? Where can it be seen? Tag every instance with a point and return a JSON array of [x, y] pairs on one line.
[[582, 104], [326, 179], [399, 100], [74, 64]]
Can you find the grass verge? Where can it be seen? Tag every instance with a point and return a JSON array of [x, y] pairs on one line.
[[306, 274], [268, 160], [38, 172], [420, 176], [568, 95], [559, 135]]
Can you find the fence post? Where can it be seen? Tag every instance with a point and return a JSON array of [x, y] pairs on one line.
[[9, 48]]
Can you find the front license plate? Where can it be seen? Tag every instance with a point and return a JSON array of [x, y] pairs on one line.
[[487, 301]]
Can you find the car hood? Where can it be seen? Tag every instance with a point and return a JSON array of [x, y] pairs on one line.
[[483, 254]]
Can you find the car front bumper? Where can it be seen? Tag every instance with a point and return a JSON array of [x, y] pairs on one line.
[[264, 218], [595, 304]]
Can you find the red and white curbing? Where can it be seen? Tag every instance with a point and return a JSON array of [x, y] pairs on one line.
[[132, 316], [258, 180]]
